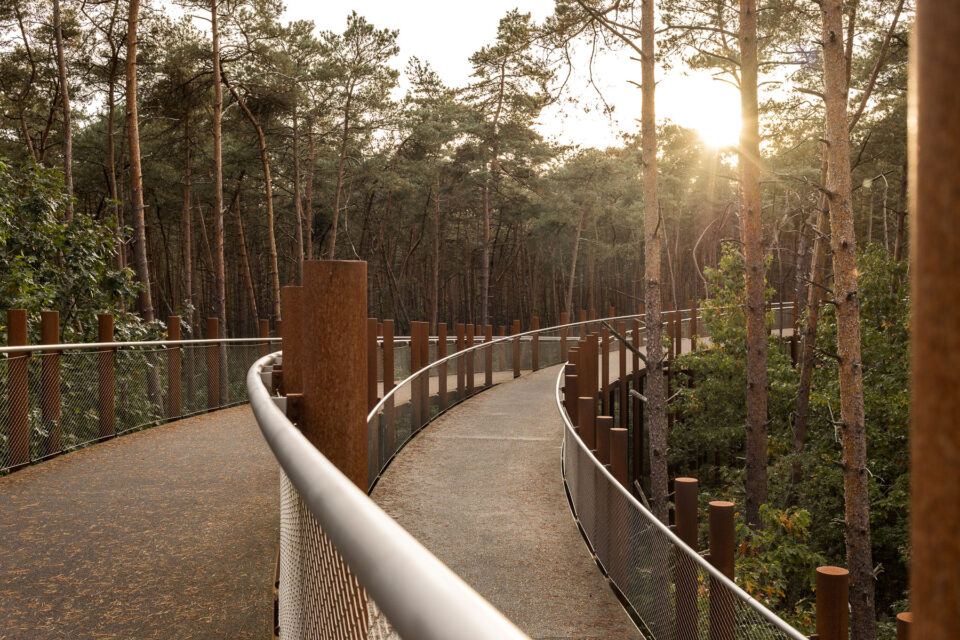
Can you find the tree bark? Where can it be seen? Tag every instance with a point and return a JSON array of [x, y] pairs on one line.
[[311, 143], [844, 245], [573, 262], [65, 104], [297, 203], [219, 274], [332, 252], [145, 301]]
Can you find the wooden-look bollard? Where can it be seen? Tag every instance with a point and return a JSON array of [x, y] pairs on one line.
[[442, 369], [105, 385], [564, 320], [589, 373], [213, 364], [605, 408], [488, 357], [332, 338], [535, 344], [619, 455], [174, 355], [622, 381], [583, 329], [263, 332], [587, 420], [18, 390], [678, 332], [425, 362], [292, 306], [593, 320], [603, 425], [832, 597], [461, 362], [416, 363], [685, 518], [373, 382], [516, 349], [50, 380], [693, 325], [471, 363], [722, 542], [904, 621], [503, 331]]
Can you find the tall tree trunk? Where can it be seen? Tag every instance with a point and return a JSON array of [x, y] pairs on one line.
[[573, 262], [311, 143], [653, 238], [846, 297], [112, 164], [219, 273], [435, 302], [188, 284], [485, 257], [245, 258], [332, 252], [756, 449], [136, 177], [297, 203], [65, 103]]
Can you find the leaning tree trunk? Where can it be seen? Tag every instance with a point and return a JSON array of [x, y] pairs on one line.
[[219, 275], [65, 103], [756, 445], [846, 298], [653, 238]]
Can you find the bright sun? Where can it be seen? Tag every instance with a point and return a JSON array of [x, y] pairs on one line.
[[708, 106]]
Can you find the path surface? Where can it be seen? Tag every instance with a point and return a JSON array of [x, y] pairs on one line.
[[166, 533], [481, 488]]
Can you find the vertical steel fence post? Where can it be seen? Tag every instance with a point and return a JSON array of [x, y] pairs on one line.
[[425, 362], [442, 369], [50, 380], [461, 361], [587, 421], [105, 378], [604, 425], [263, 332], [722, 541], [293, 309], [372, 363], [416, 363], [624, 397], [535, 344], [605, 371], [564, 319], [213, 364], [685, 492], [488, 357], [389, 438], [583, 329], [904, 621], [471, 365], [693, 325], [618, 455], [18, 390], [832, 597], [173, 368], [516, 349]]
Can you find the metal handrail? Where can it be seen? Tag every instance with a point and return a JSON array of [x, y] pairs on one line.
[[419, 595], [695, 557], [75, 346]]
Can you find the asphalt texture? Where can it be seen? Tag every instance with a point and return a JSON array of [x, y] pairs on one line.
[[166, 533], [481, 488]]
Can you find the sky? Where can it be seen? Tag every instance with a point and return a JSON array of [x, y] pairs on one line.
[[446, 32]]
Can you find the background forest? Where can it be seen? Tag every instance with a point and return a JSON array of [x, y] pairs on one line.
[[190, 170]]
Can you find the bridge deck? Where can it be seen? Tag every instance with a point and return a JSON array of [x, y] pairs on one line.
[[166, 533], [481, 488]]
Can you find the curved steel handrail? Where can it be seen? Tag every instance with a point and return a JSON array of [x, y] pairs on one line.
[[76, 346], [418, 594]]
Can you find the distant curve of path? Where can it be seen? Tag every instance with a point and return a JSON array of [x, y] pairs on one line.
[[166, 533], [481, 488]]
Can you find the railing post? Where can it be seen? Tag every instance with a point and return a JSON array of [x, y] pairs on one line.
[[424, 362], [471, 365], [105, 377], [593, 320], [587, 421], [604, 425], [624, 401], [174, 356], [263, 332], [722, 536], [832, 598], [564, 319], [686, 505], [442, 369], [461, 361], [292, 307], [50, 380], [583, 329], [416, 363], [605, 371], [588, 370], [573, 385], [693, 325], [488, 357], [516, 349], [213, 364], [535, 344], [619, 455], [372, 361], [18, 390], [678, 321], [904, 621], [389, 440], [332, 339]]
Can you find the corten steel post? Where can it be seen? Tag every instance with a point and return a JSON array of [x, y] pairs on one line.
[[213, 364], [904, 621], [470, 360], [583, 329], [372, 362], [461, 363], [678, 319], [263, 332], [619, 538], [292, 306], [693, 325], [568, 371], [173, 368], [686, 505], [105, 378], [935, 346], [622, 381], [605, 371], [587, 421], [618, 455], [516, 349], [535, 344], [332, 339], [589, 374], [50, 380], [442, 369], [18, 390], [722, 606], [389, 431], [278, 327], [593, 318], [833, 594], [488, 357], [564, 319], [604, 425], [416, 363], [424, 362]]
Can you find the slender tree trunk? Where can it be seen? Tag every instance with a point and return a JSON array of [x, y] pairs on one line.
[[245, 259], [187, 222], [846, 297], [485, 257], [297, 202], [65, 103], [653, 237], [573, 261], [435, 302], [219, 272], [112, 164], [136, 177], [311, 143], [332, 252], [756, 449]]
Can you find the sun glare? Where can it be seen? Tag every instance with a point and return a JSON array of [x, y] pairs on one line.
[[699, 102]]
